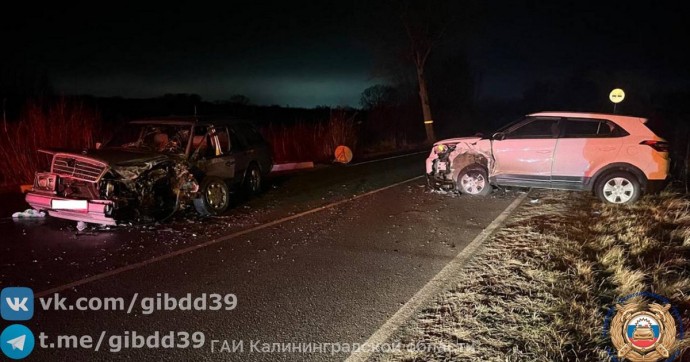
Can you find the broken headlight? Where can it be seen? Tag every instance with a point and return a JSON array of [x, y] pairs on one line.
[[109, 188], [441, 149], [45, 181]]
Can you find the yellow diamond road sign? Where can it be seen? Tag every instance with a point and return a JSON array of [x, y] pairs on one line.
[[617, 95]]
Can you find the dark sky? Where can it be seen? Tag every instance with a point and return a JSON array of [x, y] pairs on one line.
[[309, 53], [540, 40]]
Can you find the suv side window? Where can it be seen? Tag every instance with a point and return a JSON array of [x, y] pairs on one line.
[[250, 134], [536, 128], [236, 142], [591, 128], [201, 143]]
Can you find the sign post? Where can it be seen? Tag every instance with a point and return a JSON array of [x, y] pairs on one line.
[[616, 96]]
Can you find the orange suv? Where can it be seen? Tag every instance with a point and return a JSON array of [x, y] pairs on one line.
[[615, 156]]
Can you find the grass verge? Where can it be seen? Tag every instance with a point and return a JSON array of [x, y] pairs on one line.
[[540, 288]]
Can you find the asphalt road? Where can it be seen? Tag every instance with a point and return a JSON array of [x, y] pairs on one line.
[[329, 276]]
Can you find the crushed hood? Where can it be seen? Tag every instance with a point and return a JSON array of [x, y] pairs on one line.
[[124, 157], [451, 141], [116, 156]]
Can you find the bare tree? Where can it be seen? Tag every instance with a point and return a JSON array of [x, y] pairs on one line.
[[426, 34], [425, 26]]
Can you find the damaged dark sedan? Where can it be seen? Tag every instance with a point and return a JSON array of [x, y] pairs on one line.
[[152, 169]]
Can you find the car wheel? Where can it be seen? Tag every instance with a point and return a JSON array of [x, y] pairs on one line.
[[618, 188], [165, 201], [214, 197], [473, 181], [253, 179]]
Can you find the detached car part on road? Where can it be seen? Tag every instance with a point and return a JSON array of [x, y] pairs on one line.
[[617, 157], [152, 169]]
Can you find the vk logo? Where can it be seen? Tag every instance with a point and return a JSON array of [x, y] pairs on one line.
[[17, 341], [17, 304]]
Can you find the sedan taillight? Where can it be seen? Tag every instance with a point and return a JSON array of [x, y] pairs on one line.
[[659, 146]]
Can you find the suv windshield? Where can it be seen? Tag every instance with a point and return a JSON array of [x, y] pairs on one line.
[[165, 138], [509, 125]]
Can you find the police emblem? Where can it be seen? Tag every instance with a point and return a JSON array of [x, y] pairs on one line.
[[643, 334]]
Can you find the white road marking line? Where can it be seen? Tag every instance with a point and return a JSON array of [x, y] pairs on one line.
[[432, 288], [389, 158], [211, 242]]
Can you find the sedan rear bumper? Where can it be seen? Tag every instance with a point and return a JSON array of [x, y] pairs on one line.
[[97, 211]]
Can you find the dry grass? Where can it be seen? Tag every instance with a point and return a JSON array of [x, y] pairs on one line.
[[70, 124], [64, 123], [540, 289], [315, 141]]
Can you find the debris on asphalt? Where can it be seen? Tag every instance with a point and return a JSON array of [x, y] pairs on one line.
[[28, 213]]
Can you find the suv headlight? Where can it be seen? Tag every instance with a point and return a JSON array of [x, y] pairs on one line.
[[440, 148]]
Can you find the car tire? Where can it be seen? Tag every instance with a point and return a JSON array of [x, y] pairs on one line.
[[473, 181], [253, 180], [214, 197], [618, 188], [165, 200]]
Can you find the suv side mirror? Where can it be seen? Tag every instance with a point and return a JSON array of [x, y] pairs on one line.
[[498, 136]]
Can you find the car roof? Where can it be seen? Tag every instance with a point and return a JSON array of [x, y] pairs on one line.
[[612, 117], [191, 120], [634, 125]]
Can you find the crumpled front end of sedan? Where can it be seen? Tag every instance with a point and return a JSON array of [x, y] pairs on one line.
[[71, 190], [88, 189]]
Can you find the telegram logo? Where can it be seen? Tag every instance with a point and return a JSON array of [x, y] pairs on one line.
[[17, 341]]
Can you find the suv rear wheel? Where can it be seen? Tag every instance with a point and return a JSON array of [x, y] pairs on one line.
[[472, 180], [252, 179], [618, 188]]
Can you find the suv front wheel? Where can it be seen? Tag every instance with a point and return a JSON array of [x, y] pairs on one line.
[[618, 188], [214, 197], [473, 180]]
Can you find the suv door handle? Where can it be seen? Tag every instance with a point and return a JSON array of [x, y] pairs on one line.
[[607, 148], [230, 163], [543, 151]]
